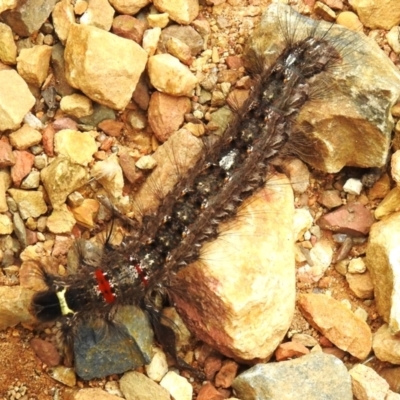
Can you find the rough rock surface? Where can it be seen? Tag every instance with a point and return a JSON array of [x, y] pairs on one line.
[[243, 305], [13, 107], [28, 16], [383, 262], [122, 62], [162, 67], [367, 384], [377, 14], [337, 323], [337, 126], [303, 378], [181, 11], [386, 345]]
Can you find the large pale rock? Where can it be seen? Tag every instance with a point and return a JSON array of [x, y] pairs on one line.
[[315, 376], [8, 48], [104, 66], [334, 125], [168, 75], [335, 321], [181, 11], [33, 64], [383, 14], [28, 16], [383, 262], [240, 297], [15, 99]]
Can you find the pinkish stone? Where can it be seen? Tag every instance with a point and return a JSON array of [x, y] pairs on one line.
[[6, 155], [290, 350], [166, 114], [23, 165], [46, 351], [352, 219]]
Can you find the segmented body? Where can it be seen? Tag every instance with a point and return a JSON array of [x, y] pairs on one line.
[[231, 168]]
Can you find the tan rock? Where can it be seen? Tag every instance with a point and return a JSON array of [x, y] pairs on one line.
[[61, 178], [166, 114], [129, 7], [255, 305], [99, 14], [181, 11], [168, 75], [158, 20], [86, 213], [5, 181], [150, 40], [15, 99], [122, 62], [7, 5], [80, 7], [377, 15], [25, 137], [79, 147], [357, 266], [178, 386], [361, 285], [33, 64], [63, 17], [350, 20], [367, 384], [386, 345], [8, 48], [335, 321], [30, 203], [395, 167], [6, 225], [389, 205], [180, 50], [15, 306], [61, 221], [383, 262], [76, 105]]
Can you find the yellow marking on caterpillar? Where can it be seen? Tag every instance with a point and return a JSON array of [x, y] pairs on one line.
[[65, 310]]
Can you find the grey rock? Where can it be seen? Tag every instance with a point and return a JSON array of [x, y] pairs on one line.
[[315, 376], [28, 16], [102, 349], [352, 124]]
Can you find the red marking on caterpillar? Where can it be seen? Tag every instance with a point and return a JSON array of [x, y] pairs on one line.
[[104, 286], [142, 274]]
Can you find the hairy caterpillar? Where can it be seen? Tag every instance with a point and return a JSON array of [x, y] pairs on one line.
[[229, 170]]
